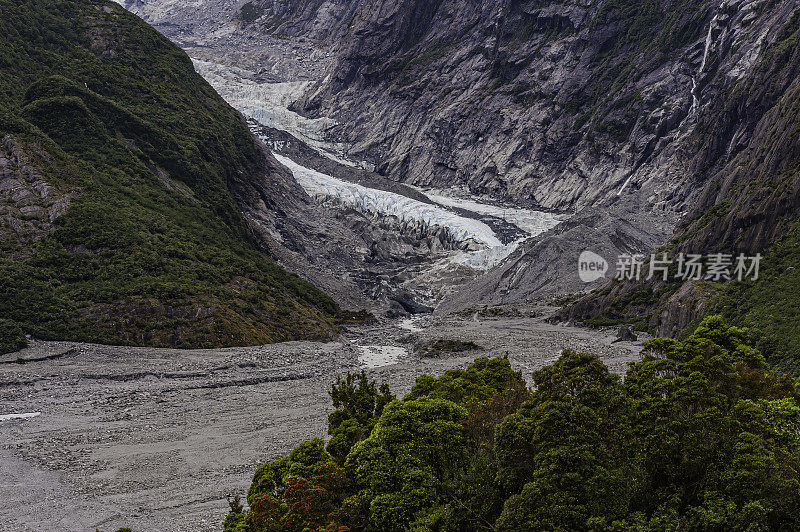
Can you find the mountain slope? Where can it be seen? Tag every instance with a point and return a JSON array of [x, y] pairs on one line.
[[120, 169], [557, 104], [317, 19], [630, 115], [748, 203]]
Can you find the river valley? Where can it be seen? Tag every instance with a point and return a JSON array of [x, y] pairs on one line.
[[128, 437], [100, 437]]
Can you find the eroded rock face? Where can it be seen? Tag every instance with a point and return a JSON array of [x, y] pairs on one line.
[[547, 266], [559, 106], [688, 304], [29, 205], [322, 20], [745, 180]]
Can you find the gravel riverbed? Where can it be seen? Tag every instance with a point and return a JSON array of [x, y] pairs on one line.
[[156, 439]]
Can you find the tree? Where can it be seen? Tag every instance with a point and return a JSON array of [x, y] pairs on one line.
[[700, 435], [565, 449], [359, 403]]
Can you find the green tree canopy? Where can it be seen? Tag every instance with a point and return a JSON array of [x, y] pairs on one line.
[[699, 435]]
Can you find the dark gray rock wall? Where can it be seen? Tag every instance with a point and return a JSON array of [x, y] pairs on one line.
[[559, 105]]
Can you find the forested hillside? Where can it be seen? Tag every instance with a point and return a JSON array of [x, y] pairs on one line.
[[120, 168], [700, 435]]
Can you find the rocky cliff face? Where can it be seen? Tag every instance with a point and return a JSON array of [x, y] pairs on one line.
[[29, 205], [745, 167], [321, 20], [748, 153], [561, 105]]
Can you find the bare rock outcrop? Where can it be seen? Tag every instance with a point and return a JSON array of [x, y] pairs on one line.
[[29, 205], [561, 106]]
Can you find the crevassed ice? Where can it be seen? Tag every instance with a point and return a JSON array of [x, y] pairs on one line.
[[532, 222], [384, 203], [485, 259]]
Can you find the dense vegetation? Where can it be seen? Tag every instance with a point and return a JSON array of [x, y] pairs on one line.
[[153, 249], [11, 337], [771, 304], [700, 435]]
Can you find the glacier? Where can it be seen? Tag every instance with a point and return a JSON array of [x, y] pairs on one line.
[[531, 222], [405, 210], [382, 203], [268, 104]]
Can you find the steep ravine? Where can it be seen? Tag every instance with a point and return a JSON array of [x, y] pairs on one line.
[[629, 117]]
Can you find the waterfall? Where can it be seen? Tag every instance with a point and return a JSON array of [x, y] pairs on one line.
[[695, 99], [695, 85], [708, 44]]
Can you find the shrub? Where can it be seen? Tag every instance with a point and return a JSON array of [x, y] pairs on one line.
[[12, 337]]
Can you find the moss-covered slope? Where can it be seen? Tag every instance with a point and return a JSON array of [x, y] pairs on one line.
[[120, 166]]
